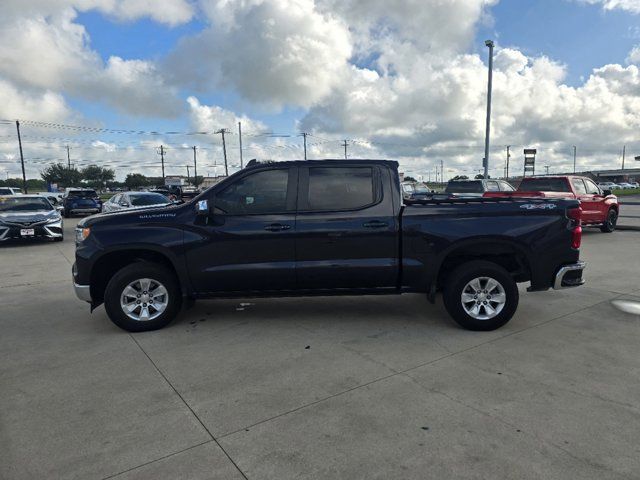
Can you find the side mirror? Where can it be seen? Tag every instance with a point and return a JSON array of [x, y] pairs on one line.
[[59, 208], [202, 208], [606, 193]]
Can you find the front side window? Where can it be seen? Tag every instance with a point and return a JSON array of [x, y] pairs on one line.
[[493, 187], [592, 188], [506, 187], [578, 185], [258, 193], [340, 188]]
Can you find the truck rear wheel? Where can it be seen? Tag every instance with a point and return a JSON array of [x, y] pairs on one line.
[[481, 295], [610, 222], [142, 296]]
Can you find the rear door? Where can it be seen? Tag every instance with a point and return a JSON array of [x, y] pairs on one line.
[[346, 230]]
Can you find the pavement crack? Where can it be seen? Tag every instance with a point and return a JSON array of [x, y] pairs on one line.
[[212, 437]]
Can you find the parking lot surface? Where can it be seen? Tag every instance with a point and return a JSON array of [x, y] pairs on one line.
[[355, 388]]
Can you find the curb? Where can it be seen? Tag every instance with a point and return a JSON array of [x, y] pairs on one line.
[[628, 227]]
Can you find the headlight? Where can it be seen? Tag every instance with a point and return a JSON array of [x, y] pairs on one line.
[[54, 220], [82, 234]]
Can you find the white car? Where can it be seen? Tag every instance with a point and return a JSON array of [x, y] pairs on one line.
[[10, 191], [134, 200], [626, 186]]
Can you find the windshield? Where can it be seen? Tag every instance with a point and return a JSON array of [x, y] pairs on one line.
[[139, 200], [22, 204], [421, 189], [5, 191], [82, 194], [544, 185], [464, 187]]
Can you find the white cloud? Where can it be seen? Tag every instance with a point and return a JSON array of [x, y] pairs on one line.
[[634, 55], [45, 106], [53, 53], [272, 52], [210, 118], [632, 6]]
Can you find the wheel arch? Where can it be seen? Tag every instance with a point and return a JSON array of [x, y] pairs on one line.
[[510, 255], [110, 262]]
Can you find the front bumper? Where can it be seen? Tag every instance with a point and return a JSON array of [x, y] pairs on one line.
[[83, 210], [42, 230], [569, 276], [83, 292]]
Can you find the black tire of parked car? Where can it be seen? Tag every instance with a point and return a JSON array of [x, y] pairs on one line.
[[610, 223], [65, 213], [131, 273], [462, 275]]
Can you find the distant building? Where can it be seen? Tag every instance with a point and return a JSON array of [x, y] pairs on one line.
[[211, 181]]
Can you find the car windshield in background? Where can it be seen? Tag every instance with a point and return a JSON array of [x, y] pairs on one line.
[[83, 194], [421, 189], [544, 185], [21, 204], [464, 187], [146, 199], [5, 191]]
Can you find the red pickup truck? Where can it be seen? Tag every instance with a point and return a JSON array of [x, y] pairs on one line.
[[598, 207]]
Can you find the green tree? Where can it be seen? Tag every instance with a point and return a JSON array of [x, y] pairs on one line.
[[135, 180], [96, 176], [407, 178], [60, 174], [460, 177]]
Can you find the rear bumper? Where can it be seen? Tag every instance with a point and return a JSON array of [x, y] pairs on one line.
[[569, 276]]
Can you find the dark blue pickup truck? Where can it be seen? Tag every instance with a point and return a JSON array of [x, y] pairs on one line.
[[330, 227]]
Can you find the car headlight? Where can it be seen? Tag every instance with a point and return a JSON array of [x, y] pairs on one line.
[[82, 234], [54, 220]]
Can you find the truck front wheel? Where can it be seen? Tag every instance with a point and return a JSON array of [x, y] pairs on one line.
[[142, 296], [481, 295], [610, 222]]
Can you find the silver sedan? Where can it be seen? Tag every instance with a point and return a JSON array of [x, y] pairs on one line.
[[134, 200]]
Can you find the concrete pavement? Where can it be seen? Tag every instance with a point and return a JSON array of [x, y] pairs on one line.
[[371, 387]]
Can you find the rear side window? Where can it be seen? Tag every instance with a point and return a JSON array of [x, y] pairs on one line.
[[340, 188], [464, 187], [258, 193], [544, 185], [578, 185]]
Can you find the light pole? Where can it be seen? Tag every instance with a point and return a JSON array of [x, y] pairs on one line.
[[488, 43]]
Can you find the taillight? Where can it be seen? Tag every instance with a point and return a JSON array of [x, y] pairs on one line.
[[575, 214], [576, 240]]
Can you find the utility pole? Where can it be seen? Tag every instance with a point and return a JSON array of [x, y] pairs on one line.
[[224, 150], [188, 175], [442, 171], [546, 167], [506, 175], [624, 150], [68, 158], [488, 43], [24, 176], [304, 140], [344, 144], [195, 168], [240, 140], [162, 160], [574, 159]]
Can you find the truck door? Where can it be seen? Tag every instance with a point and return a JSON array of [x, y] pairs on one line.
[[599, 207], [247, 243], [346, 229], [587, 202]]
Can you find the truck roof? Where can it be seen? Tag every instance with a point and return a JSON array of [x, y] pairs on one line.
[[328, 161]]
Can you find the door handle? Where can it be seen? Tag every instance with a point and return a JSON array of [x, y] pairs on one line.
[[277, 227], [375, 224]]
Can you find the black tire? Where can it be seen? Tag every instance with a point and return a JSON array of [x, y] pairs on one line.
[[609, 224], [58, 239], [455, 286], [65, 213], [129, 274]]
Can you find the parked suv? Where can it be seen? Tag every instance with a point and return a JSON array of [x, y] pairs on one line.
[[80, 201]]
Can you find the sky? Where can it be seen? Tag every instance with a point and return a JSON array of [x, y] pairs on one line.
[[115, 79]]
